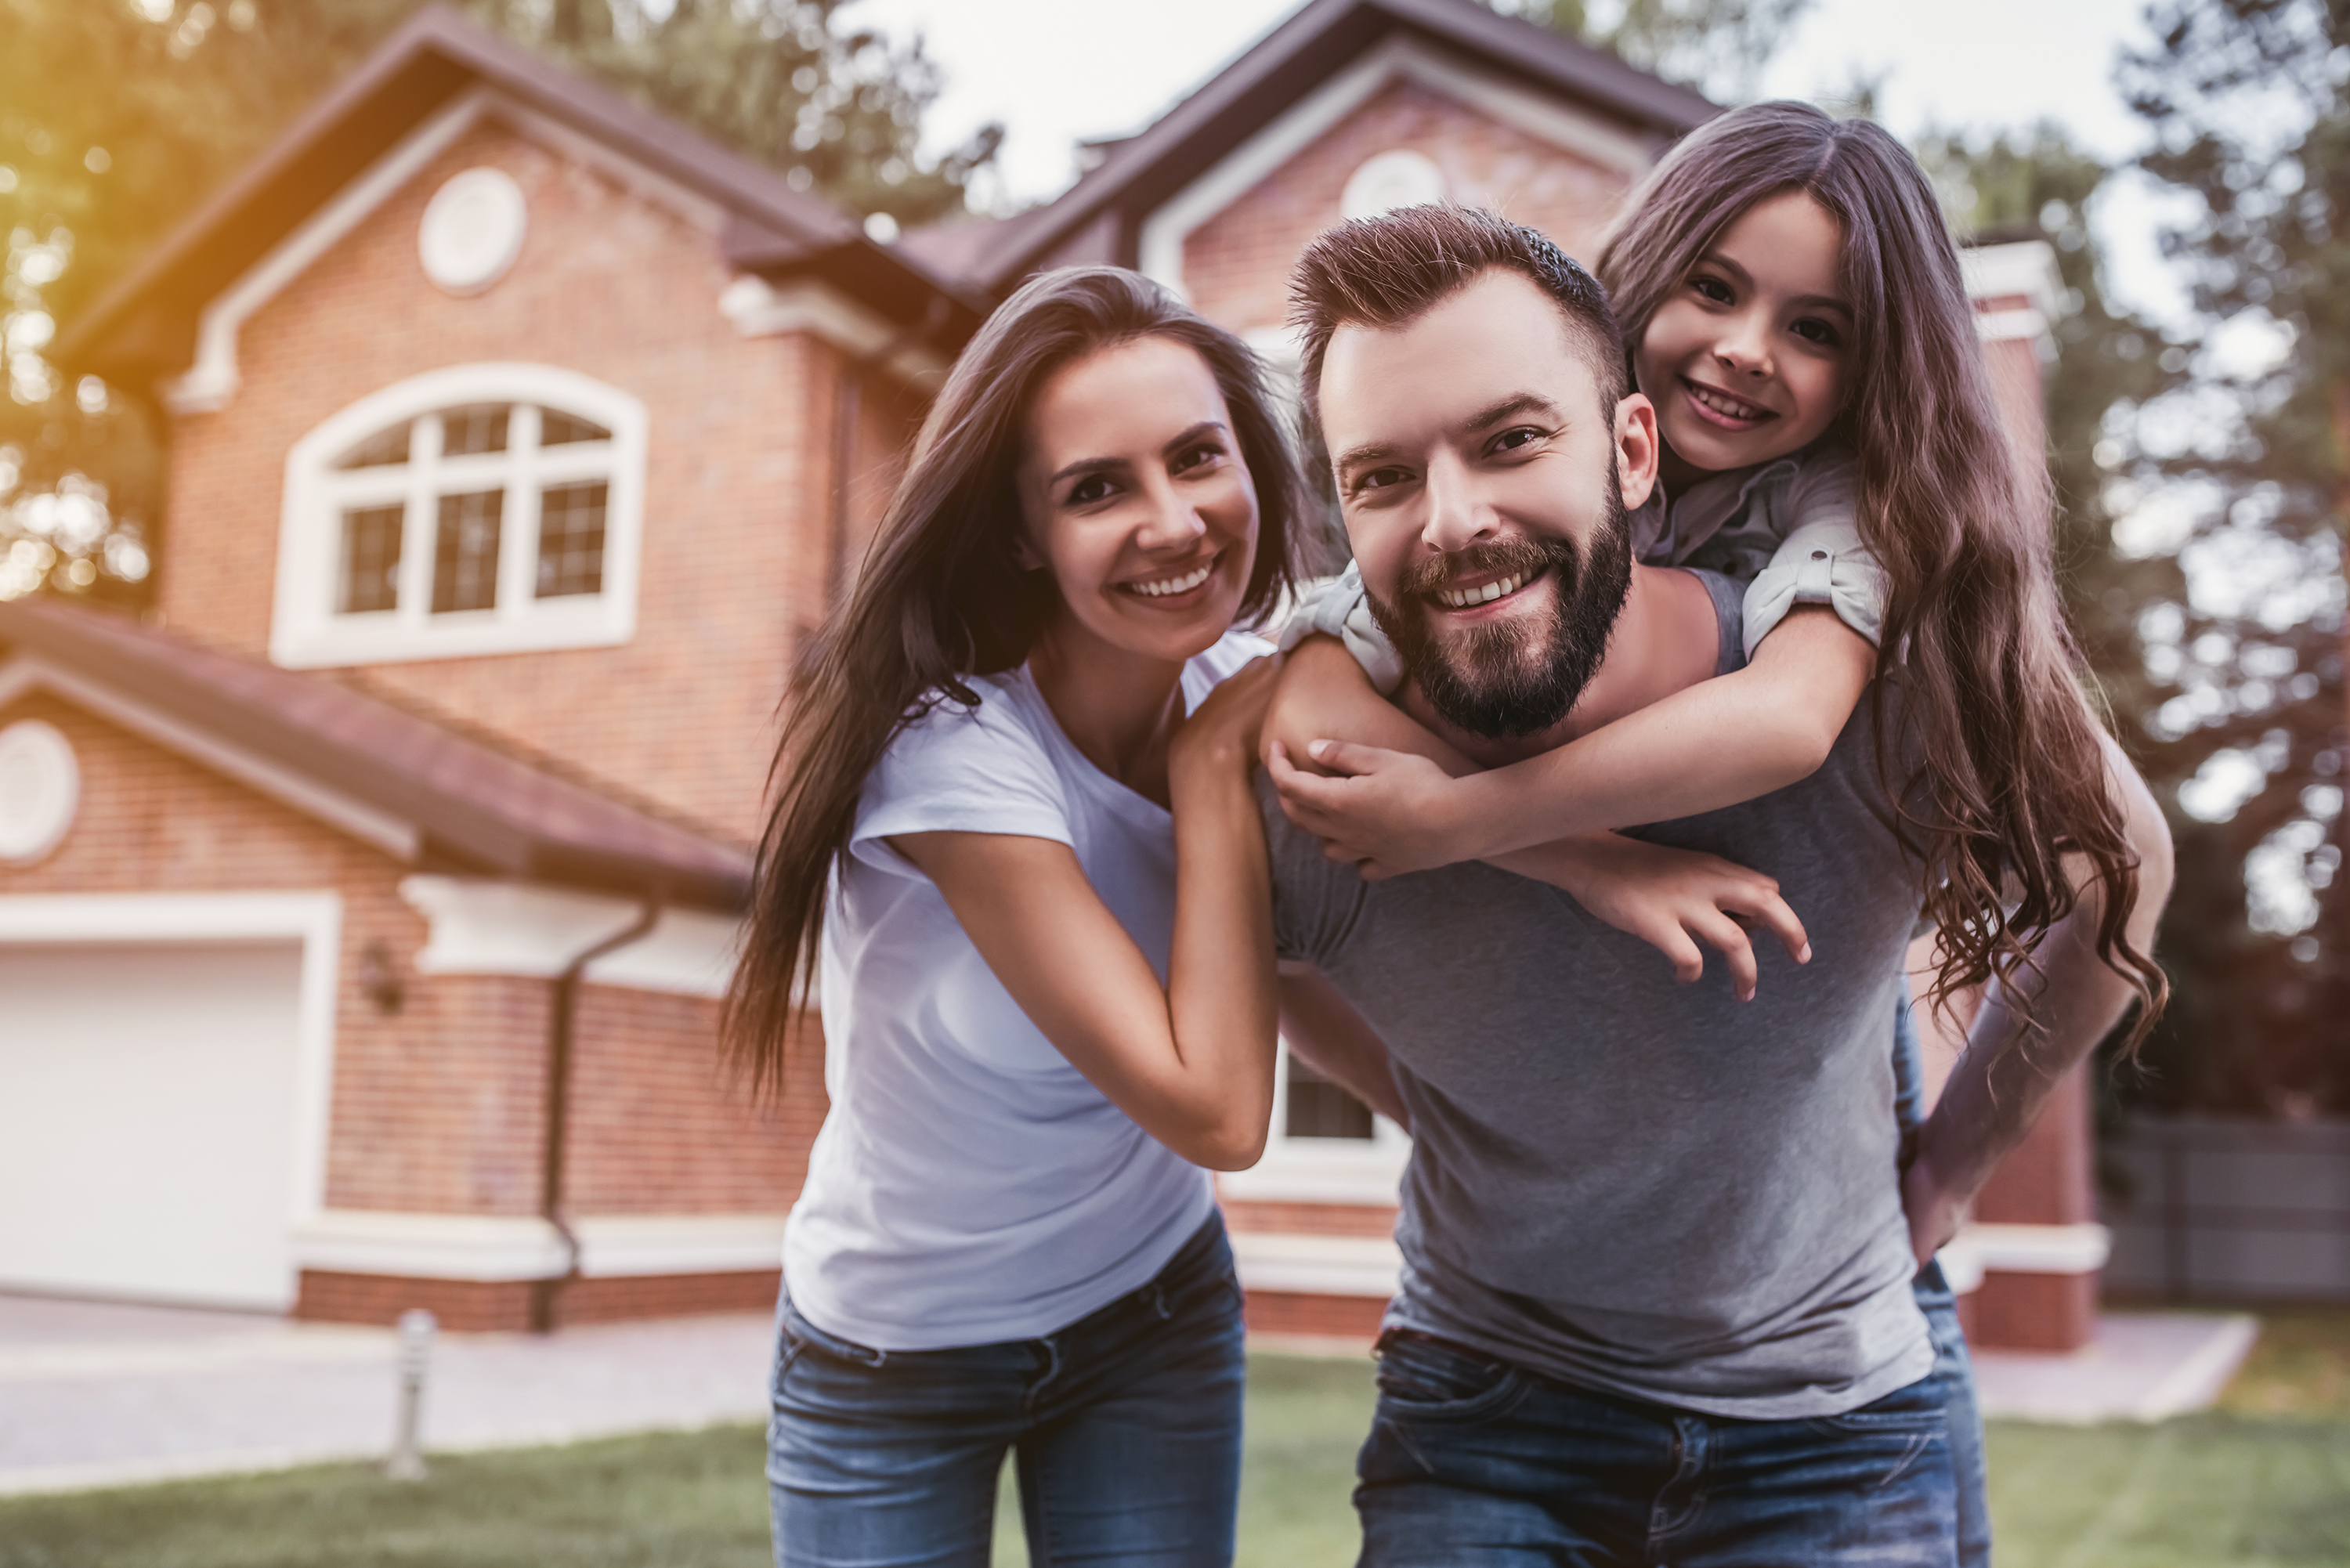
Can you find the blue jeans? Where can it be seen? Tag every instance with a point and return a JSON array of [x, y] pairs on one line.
[[1475, 1463], [1126, 1425], [1941, 1310]]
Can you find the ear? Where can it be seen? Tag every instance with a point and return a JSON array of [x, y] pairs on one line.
[[1025, 554], [1636, 449]]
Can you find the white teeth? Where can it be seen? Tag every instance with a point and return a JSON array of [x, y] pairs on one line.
[[1182, 584], [1462, 599], [1722, 405]]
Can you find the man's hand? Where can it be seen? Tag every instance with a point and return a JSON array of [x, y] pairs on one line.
[[1383, 811]]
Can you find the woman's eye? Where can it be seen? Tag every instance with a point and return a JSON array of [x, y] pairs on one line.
[[1711, 288], [1197, 457], [1088, 490]]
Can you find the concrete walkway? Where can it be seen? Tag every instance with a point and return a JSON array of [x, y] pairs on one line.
[[94, 1394], [2142, 1366]]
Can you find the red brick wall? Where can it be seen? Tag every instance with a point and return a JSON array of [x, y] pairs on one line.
[[1236, 266], [617, 287], [440, 1107]]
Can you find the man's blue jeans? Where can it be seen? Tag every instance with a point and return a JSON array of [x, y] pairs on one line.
[[1127, 1424], [1475, 1463]]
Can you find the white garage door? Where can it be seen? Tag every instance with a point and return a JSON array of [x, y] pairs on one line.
[[147, 1120]]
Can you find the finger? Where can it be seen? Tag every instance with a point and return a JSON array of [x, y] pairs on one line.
[[1351, 756], [1687, 958], [1731, 937], [1773, 912]]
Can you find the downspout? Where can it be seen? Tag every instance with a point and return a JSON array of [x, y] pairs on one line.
[[847, 393], [562, 1024]]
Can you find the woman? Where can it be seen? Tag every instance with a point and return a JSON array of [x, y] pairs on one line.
[[1045, 1009]]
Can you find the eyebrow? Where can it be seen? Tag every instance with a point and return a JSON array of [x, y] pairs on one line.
[[1486, 417], [1815, 301], [1098, 464]]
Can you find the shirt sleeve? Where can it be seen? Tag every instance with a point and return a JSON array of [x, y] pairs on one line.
[[1336, 606], [1822, 561], [1314, 901], [959, 770]]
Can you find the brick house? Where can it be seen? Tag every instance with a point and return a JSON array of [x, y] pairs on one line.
[[379, 883]]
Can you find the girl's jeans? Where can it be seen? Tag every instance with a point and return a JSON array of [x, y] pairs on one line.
[[1127, 1424]]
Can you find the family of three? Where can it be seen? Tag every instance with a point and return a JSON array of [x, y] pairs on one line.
[[1700, 647]]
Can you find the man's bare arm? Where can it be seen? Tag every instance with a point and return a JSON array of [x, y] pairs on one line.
[[2007, 1073]]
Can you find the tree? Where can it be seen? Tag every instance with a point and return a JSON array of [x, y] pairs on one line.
[[117, 116], [1718, 46]]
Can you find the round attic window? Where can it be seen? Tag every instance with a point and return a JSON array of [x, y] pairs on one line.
[[39, 786], [1391, 180], [473, 230]]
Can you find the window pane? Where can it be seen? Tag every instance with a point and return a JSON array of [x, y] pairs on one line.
[[379, 450], [1320, 1108], [571, 540], [465, 552], [556, 428], [371, 576], [480, 427]]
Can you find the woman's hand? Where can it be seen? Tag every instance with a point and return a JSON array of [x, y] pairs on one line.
[[1385, 812], [1671, 899], [1222, 732]]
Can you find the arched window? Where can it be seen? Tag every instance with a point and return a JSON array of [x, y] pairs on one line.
[[476, 509]]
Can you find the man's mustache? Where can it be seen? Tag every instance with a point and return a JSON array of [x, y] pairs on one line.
[[1426, 575]]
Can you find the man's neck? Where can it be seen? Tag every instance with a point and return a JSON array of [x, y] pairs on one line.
[[1667, 638]]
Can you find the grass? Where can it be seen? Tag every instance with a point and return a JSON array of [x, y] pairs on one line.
[[2264, 1482]]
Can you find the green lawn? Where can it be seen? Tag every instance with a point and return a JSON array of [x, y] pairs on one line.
[[2265, 1480]]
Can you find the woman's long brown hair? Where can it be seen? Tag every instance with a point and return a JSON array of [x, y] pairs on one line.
[[941, 598], [2011, 776]]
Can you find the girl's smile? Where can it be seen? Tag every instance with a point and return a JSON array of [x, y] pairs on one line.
[[1746, 358]]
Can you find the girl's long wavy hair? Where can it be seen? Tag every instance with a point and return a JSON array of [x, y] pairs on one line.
[[2012, 776], [941, 598]]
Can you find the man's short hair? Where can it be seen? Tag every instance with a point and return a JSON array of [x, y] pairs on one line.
[[1386, 271]]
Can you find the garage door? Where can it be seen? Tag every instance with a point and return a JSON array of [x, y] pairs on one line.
[[147, 1120]]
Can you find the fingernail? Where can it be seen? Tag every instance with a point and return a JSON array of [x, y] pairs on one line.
[[1316, 749], [1806, 956]]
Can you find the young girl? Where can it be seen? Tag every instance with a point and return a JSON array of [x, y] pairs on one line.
[[1794, 309], [1016, 836]]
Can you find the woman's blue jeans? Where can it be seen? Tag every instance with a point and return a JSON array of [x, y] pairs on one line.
[[1126, 1425]]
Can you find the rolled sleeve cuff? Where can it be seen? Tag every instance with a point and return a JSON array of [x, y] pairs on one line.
[[1336, 606], [1825, 565]]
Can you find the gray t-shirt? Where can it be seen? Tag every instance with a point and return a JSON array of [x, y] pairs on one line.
[[1627, 1184]]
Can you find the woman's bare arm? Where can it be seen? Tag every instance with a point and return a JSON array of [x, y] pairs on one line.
[[1191, 1064]]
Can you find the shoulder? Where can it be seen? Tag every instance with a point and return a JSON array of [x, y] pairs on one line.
[[1227, 655], [984, 768], [1826, 483]]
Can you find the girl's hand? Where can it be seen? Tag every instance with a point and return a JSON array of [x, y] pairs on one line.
[[1671, 899], [1386, 813], [1222, 732]]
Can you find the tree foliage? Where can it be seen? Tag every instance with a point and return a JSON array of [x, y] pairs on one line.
[[1718, 46], [117, 116]]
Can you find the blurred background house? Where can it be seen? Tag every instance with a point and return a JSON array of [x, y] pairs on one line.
[[406, 546]]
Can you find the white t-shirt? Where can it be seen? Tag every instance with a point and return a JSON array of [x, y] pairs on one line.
[[970, 1185]]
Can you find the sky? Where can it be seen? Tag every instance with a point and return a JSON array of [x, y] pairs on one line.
[[1054, 71]]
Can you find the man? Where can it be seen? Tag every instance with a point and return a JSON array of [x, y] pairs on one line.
[[1657, 1302]]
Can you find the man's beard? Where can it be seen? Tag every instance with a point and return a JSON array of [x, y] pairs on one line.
[[1508, 678]]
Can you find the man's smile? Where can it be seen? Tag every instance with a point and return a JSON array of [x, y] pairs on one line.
[[1475, 594]]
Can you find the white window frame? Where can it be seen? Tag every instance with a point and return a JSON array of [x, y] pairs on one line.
[[1368, 1172], [306, 632]]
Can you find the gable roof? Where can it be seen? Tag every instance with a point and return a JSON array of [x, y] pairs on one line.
[[144, 325], [1322, 39], [470, 807]]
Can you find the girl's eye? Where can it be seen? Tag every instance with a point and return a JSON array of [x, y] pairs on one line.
[[1711, 288], [1811, 329]]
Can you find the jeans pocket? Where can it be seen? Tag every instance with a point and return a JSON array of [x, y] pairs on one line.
[[1421, 1379]]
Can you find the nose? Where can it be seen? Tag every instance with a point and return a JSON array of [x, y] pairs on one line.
[[1456, 516], [1744, 346], [1172, 522]]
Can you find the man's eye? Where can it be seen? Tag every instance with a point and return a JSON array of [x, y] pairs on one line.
[[1514, 439], [1379, 479]]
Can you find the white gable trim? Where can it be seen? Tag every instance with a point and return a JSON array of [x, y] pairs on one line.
[[506, 1248], [314, 918], [211, 381], [396, 838], [536, 933], [760, 310], [1248, 165]]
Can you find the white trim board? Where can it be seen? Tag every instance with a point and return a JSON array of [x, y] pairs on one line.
[[210, 383], [313, 918], [760, 310], [1317, 1265], [505, 1247], [29, 672], [1247, 166], [536, 933]]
